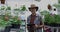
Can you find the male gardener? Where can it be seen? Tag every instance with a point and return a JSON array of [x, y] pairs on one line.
[[34, 20]]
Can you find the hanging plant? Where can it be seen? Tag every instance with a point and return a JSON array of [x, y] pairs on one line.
[[7, 11], [23, 8], [2, 8], [8, 8]]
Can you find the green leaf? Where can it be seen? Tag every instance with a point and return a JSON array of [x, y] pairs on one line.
[[23, 8], [52, 19], [17, 9], [44, 12], [8, 8], [2, 7]]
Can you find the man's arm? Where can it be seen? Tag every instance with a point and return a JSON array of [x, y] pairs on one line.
[[41, 23], [28, 26]]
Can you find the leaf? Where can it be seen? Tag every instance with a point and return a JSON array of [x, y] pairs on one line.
[[44, 12], [17, 9], [23, 8], [52, 19], [8, 8], [2, 8]]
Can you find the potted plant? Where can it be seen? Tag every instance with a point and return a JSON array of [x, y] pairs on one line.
[[16, 11], [45, 12], [49, 20], [4, 21], [16, 22], [2, 10], [8, 10], [52, 20], [23, 8], [57, 19]]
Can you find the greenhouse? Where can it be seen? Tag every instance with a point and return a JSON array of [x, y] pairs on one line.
[[29, 15]]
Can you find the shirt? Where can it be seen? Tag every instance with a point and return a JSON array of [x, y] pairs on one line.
[[32, 19], [37, 20]]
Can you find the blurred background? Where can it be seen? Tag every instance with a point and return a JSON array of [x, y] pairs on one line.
[[19, 8]]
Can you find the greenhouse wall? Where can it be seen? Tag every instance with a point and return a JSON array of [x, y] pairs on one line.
[[42, 4]]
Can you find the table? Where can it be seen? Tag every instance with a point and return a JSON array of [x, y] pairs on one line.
[[54, 29]]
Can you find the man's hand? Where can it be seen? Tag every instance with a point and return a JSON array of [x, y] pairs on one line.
[[38, 26], [41, 25]]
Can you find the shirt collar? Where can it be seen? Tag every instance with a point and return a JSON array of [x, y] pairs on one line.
[[36, 14]]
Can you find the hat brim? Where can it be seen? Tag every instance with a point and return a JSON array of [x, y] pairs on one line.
[[33, 7]]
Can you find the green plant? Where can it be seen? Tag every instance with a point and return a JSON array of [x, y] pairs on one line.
[[44, 12], [4, 22], [7, 11], [52, 19], [57, 5], [2, 8], [8, 8], [49, 19], [17, 9], [23, 8], [59, 1], [15, 20], [57, 19]]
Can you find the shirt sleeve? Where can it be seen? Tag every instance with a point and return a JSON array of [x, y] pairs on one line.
[[40, 19], [27, 20]]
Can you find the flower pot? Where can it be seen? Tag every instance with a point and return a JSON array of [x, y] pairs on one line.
[[15, 25], [7, 28], [2, 28], [58, 25]]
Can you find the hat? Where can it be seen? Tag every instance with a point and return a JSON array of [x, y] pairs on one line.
[[33, 6]]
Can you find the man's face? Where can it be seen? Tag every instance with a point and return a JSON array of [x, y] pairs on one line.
[[33, 10]]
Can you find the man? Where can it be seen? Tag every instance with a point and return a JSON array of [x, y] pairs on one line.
[[34, 20], [52, 10]]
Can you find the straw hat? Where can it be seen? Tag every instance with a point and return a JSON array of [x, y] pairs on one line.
[[33, 6]]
